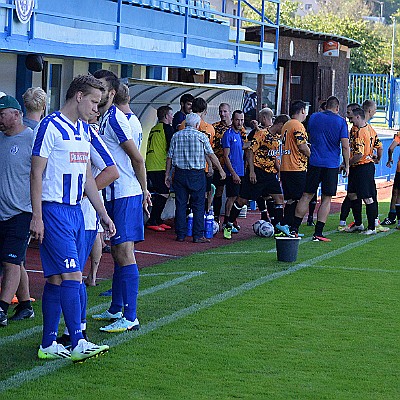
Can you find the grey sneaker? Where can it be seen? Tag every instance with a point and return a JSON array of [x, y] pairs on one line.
[[107, 316], [3, 318], [22, 314]]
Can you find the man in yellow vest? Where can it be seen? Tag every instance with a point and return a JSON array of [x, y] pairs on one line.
[[156, 156]]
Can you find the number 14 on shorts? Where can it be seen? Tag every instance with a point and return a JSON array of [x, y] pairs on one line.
[[70, 263]]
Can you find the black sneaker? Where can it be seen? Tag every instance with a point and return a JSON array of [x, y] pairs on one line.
[[65, 339], [3, 318], [387, 221], [23, 313]]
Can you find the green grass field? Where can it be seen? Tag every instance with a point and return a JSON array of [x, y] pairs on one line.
[[234, 323]]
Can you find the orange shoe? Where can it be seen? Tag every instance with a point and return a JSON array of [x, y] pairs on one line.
[[165, 226], [155, 228]]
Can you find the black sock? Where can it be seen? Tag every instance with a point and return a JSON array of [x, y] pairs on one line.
[[235, 211], [278, 212], [371, 214], [217, 205], [264, 216], [289, 212], [157, 209], [4, 306], [24, 304], [296, 224], [356, 206], [311, 209], [345, 208], [397, 212], [261, 204], [271, 208], [319, 227]]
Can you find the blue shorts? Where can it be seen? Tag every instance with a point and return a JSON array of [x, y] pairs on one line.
[[90, 237], [63, 247], [127, 215]]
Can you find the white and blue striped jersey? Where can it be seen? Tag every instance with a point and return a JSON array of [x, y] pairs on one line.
[[100, 158], [137, 131], [67, 147], [115, 130]]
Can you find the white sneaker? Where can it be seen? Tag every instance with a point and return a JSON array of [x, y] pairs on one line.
[[121, 325], [107, 316], [84, 350], [54, 351], [369, 232], [354, 228]]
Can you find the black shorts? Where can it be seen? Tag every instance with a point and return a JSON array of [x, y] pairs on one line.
[[396, 183], [14, 238], [293, 184], [328, 177], [156, 182], [232, 189], [217, 181], [267, 183], [361, 181]]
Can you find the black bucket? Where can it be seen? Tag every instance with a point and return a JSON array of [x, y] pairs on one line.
[[287, 248]]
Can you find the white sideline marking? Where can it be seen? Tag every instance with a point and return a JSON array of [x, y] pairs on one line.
[[384, 271], [156, 254], [36, 372], [97, 308]]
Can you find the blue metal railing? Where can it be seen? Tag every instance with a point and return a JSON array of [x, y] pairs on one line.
[[200, 9]]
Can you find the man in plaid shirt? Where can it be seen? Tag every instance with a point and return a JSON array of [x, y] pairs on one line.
[[187, 156]]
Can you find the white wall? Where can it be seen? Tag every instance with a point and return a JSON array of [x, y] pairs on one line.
[[8, 69]]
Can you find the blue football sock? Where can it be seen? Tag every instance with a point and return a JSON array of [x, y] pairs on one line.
[[116, 300], [71, 308], [130, 290], [51, 309], [83, 299]]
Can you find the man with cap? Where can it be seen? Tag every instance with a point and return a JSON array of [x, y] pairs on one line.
[[16, 142]]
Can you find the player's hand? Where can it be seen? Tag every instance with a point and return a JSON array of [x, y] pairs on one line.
[[222, 174], [108, 225], [345, 171], [236, 179], [147, 202], [210, 172], [36, 229], [168, 181], [254, 124], [389, 163], [253, 178]]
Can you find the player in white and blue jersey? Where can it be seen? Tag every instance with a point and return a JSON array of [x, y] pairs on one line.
[[60, 174], [125, 199], [121, 100], [105, 172]]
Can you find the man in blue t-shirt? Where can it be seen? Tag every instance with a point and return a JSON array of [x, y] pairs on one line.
[[327, 133], [232, 144], [186, 108]]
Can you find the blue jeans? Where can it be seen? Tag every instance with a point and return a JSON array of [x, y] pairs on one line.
[[189, 182]]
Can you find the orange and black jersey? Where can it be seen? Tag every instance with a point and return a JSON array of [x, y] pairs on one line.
[[220, 128], [364, 143], [265, 147], [293, 135]]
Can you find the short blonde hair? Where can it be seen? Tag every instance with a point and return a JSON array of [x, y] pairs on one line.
[[122, 96], [34, 99]]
